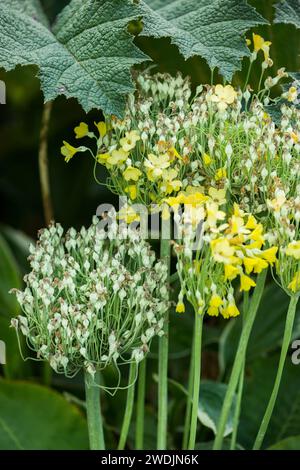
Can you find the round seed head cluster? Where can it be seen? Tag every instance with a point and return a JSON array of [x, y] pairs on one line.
[[90, 300]]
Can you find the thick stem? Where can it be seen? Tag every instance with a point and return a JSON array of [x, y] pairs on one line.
[[140, 406], [237, 411], [94, 416], [43, 163], [196, 379], [288, 330], [129, 406], [165, 254], [187, 421], [239, 358]]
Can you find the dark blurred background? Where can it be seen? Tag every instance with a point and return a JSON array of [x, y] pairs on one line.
[[75, 195]]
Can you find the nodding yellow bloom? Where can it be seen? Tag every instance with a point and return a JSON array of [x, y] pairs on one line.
[[261, 45], [207, 159], [248, 42], [230, 310], [237, 226], [132, 191], [102, 128], [293, 249], [294, 137], [220, 174], [129, 141], [170, 184], [81, 131], [292, 94], [213, 214], [103, 157], [294, 285], [194, 200], [254, 264], [270, 255], [193, 190], [222, 251], [223, 96], [132, 174], [128, 214], [117, 157], [68, 151], [246, 283], [155, 165], [180, 307], [231, 272], [214, 305], [251, 223], [257, 237]]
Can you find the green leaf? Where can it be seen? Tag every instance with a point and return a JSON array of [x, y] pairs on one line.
[[290, 443], [9, 278], [19, 243], [209, 445], [267, 331], [285, 421], [33, 417], [288, 11], [211, 400], [212, 29], [87, 55], [31, 8]]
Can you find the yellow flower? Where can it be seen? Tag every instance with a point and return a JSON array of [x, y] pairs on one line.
[[155, 166], [257, 237], [169, 183], [218, 195], [102, 128], [251, 223], [231, 272], [248, 42], [249, 264], [117, 157], [129, 141], [294, 285], [180, 308], [213, 215], [207, 159], [221, 250], [132, 174], [230, 310], [224, 96], [270, 255], [102, 158], [261, 45], [82, 130], [246, 283], [68, 151], [220, 174], [193, 189], [172, 152], [128, 214], [293, 249], [132, 191], [292, 94]]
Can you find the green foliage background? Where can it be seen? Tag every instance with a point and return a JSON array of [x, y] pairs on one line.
[[28, 405]]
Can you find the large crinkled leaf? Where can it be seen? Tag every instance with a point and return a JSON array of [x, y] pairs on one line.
[[36, 418], [288, 11], [31, 8], [213, 29], [88, 54]]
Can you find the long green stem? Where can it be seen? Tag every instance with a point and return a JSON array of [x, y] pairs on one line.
[[94, 416], [140, 407], [162, 426], [237, 412], [288, 330], [129, 406], [239, 359], [196, 379], [187, 421], [43, 163]]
